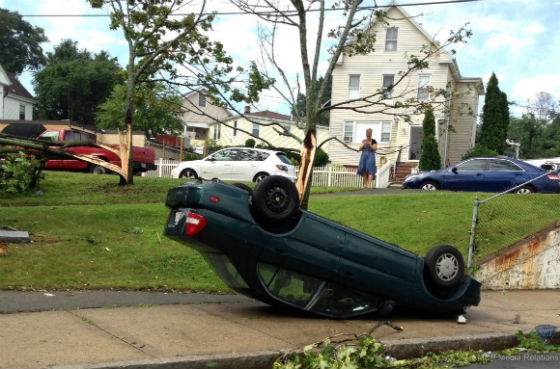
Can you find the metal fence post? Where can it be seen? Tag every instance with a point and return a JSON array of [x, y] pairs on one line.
[[473, 230]]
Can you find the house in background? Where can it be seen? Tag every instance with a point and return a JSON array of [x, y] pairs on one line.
[[200, 115], [16, 103], [262, 124], [363, 75]]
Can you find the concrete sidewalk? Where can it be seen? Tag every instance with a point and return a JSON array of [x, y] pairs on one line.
[[244, 333]]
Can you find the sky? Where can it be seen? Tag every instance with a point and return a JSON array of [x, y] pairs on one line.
[[516, 39]]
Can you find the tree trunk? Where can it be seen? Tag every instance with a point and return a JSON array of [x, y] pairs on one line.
[[303, 183]]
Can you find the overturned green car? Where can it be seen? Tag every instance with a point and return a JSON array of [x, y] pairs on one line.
[[263, 246]]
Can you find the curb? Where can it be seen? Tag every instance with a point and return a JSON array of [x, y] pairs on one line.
[[399, 349]]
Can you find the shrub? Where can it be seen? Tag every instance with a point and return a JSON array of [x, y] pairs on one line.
[[18, 173], [479, 150], [321, 158], [430, 159], [250, 142], [191, 156]]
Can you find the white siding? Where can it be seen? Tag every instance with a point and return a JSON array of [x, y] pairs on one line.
[[371, 69], [265, 132], [11, 108]]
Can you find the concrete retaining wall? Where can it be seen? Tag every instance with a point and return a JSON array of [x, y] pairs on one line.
[[533, 263]]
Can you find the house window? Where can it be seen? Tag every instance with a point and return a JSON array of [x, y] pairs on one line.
[[354, 86], [388, 81], [21, 111], [201, 100], [256, 128], [217, 132], [423, 83], [355, 131], [391, 39], [234, 128], [348, 132], [386, 131]]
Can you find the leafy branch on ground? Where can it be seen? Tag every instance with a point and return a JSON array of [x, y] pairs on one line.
[[364, 351]]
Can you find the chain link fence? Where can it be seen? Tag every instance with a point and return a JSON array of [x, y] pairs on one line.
[[504, 219]]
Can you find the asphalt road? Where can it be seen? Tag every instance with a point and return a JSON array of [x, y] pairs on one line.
[[20, 301]]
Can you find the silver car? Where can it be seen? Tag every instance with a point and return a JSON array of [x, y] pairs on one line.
[[238, 164]]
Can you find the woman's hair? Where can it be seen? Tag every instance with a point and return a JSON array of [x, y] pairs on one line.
[[369, 130]]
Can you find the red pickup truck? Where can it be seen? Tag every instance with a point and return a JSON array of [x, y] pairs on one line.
[[142, 157]]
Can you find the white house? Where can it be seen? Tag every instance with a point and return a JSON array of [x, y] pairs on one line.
[[16, 103], [363, 75], [263, 125]]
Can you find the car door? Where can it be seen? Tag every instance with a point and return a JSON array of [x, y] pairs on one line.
[[52, 136], [218, 165], [503, 175], [466, 176], [246, 165]]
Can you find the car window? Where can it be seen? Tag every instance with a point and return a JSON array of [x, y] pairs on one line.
[[284, 158], [225, 155], [226, 270], [503, 165], [286, 285], [335, 300], [53, 136], [248, 155], [475, 164], [72, 136], [261, 156]]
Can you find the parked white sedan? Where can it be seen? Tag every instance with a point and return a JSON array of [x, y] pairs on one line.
[[238, 164]]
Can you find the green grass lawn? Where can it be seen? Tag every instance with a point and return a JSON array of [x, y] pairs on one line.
[[88, 232]]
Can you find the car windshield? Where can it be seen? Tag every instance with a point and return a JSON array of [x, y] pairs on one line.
[[312, 293]]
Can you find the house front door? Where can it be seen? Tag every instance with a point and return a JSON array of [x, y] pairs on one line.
[[415, 146]]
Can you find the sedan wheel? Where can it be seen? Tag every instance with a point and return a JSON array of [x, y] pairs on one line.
[[429, 186], [445, 266], [188, 173], [259, 177], [525, 190]]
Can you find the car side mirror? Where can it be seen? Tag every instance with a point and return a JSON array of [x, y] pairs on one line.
[[454, 170]]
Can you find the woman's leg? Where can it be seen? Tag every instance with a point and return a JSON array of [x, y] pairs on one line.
[[365, 178], [370, 180]]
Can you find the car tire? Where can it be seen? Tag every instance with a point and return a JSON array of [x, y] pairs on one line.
[[429, 186], [243, 186], [98, 170], [525, 190], [188, 174], [275, 200], [445, 266], [259, 177]]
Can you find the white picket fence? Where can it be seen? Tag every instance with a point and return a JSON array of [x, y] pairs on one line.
[[329, 176]]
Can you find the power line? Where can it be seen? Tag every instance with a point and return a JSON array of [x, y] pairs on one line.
[[285, 13]]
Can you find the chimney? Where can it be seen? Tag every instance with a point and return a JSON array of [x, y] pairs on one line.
[[247, 109]]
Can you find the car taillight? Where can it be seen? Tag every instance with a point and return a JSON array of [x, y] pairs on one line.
[[195, 224], [553, 177], [282, 167]]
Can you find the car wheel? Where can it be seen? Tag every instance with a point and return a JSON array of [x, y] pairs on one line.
[[259, 177], [275, 199], [96, 169], [243, 186], [525, 190], [445, 266], [429, 186], [188, 173]]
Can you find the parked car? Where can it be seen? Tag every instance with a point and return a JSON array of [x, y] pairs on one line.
[[486, 175], [238, 164], [264, 246]]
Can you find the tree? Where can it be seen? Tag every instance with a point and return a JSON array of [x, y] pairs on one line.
[[354, 36], [20, 42], [495, 117], [74, 82], [430, 158], [156, 109], [300, 108], [159, 42]]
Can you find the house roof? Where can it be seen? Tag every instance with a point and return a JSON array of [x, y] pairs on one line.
[[16, 88], [270, 115]]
